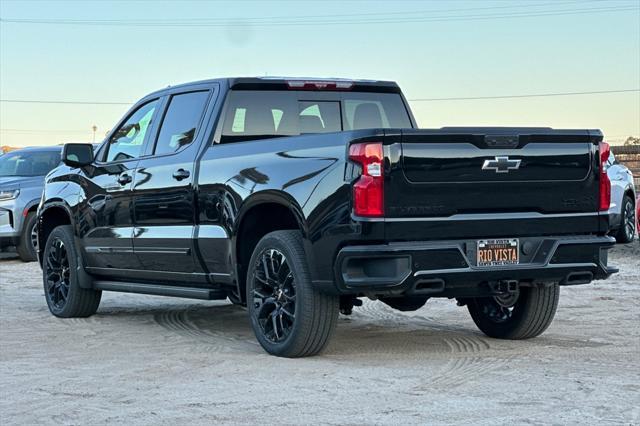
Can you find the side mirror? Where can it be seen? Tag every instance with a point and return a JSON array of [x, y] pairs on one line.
[[77, 154]]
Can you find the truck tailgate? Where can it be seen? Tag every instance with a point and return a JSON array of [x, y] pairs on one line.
[[502, 181]]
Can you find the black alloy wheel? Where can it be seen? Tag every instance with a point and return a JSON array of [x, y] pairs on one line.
[[57, 274], [499, 309], [274, 295]]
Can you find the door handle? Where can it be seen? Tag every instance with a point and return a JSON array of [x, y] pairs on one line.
[[181, 174], [124, 179]]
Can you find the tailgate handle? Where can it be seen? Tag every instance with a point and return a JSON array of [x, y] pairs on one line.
[[501, 141]]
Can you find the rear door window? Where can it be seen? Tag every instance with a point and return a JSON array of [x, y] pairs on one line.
[[180, 122]]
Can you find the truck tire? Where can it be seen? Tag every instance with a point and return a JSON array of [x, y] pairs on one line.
[[26, 247], [523, 315], [288, 316], [627, 222], [65, 289]]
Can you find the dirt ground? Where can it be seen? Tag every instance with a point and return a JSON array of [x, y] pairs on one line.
[[154, 360]]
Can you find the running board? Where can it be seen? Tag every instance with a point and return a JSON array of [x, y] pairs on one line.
[[160, 290]]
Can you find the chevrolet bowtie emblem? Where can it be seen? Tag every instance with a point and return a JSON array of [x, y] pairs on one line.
[[501, 164]]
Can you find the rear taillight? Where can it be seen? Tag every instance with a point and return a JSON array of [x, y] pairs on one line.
[[605, 183], [368, 191]]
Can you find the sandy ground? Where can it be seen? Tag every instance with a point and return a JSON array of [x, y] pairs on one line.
[[154, 360]]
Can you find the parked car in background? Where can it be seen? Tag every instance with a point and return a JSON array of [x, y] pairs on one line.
[[22, 175], [623, 195]]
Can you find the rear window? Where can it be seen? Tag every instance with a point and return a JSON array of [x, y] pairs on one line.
[[263, 114]]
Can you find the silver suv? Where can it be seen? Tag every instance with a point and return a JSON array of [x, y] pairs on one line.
[[22, 175], [623, 195]]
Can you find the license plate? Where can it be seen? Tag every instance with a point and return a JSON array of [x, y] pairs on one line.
[[498, 252]]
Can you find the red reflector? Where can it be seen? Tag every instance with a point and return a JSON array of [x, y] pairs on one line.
[[605, 183], [319, 85], [368, 191]]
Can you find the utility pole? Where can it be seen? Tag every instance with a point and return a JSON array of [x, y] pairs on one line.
[[94, 128]]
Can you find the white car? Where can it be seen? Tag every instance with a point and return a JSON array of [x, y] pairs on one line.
[[623, 196]]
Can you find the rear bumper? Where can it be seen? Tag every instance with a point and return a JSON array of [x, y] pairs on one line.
[[447, 268]]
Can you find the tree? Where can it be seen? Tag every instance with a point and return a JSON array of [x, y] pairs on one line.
[[632, 141]]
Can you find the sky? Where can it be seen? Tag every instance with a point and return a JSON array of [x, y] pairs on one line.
[[118, 51]]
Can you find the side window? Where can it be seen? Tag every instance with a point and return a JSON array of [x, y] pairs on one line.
[[127, 141], [180, 121]]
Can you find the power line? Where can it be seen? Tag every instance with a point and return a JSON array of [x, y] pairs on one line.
[[76, 131], [42, 101], [296, 17], [320, 20], [472, 98], [531, 95]]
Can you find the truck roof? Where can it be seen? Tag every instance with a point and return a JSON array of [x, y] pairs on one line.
[[297, 83]]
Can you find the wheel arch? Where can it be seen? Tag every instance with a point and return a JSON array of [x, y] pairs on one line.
[[31, 206], [283, 212], [49, 217]]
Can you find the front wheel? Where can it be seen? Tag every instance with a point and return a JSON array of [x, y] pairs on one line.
[[64, 289], [288, 316], [521, 315]]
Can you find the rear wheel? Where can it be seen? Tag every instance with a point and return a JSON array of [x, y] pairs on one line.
[[521, 315], [628, 221], [64, 287], [28, 243], [289, 317]]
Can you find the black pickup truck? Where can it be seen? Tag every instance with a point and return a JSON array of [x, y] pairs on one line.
[[297, 197]]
